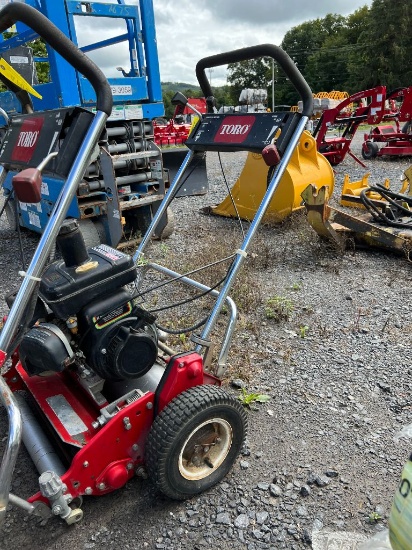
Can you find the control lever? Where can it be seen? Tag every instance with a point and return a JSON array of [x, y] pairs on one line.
[[27, 183], [181, 100]]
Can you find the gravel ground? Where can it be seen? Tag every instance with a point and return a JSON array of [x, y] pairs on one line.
[[320, 454]]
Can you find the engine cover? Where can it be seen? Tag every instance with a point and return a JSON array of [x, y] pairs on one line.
[[45, 348], [67, 289], [120, 339], [130, 353]]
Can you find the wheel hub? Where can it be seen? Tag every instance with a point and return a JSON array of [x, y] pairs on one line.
[[205, 449]]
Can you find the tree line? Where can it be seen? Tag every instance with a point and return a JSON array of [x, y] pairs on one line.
[[370, 47]]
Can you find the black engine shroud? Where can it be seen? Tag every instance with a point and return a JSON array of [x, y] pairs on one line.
[[94, 317]]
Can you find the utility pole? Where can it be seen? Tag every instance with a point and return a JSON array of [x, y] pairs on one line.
[[273, 85], [210, 76]]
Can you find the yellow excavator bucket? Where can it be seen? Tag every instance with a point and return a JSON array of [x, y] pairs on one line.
[[305, 167], [351, 191]]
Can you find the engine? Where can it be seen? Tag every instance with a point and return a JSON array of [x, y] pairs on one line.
[[91, 316]]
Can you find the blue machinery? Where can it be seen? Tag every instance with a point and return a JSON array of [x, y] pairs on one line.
[[125, 181]]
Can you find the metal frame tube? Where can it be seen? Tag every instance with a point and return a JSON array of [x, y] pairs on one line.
[[222, 296], [21, 503], [174, 188], [12, 448], [242, 251], [229, 302]]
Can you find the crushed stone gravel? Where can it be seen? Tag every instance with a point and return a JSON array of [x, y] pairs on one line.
[[320, 454]]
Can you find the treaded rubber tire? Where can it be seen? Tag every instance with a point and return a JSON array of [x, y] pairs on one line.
[[369, 150], [92, 231], [407, 127], [10, 210], [169, 227], [170, 432]]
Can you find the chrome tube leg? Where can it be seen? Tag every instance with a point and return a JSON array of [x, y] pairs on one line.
[[227, 339], [12, 446], [242, 252], [174, 188]]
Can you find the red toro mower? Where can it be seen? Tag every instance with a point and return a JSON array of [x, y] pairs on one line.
[[107, 397], [397, 141]]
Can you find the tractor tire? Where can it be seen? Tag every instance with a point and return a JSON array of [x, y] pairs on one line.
[[194, 441], [370, 150], [10, 210], [92, 231], [407, 127], [170, 226]]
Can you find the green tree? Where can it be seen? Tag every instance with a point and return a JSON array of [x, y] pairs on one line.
[[384, 47], [222, 95], [357, 51], [252, 73], [43, 69], [304, 45], [326, 69], [167, 101]]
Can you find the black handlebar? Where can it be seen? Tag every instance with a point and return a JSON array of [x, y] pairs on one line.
[[18, 11], [262, 50]]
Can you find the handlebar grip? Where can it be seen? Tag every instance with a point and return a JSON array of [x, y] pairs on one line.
[[18, 11], [262, 50]]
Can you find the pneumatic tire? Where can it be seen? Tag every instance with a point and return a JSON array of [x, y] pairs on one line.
[[194, 441], [10, 210], [407, 127], [370, 149], [168, 228]]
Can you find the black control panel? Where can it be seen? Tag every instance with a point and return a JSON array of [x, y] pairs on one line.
[[30, 138], [243, 131]]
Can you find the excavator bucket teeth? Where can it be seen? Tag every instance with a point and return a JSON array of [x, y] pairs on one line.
[[319, 213]]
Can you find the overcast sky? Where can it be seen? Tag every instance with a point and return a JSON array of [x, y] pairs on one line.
[[188, 30]]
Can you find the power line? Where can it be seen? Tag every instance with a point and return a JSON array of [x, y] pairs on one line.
[[349, 47]]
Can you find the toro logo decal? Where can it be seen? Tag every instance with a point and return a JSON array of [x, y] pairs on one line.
[[234, 129], [27, 139]]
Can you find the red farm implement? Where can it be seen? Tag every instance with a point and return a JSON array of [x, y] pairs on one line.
[[177, 130], [171, 137], [171, 134], [396, 141], [367, 107]]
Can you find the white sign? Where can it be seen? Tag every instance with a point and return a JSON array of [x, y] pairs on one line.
[[44, 188], [133, 112], [34, 219], [18, 59], [121, 90]]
